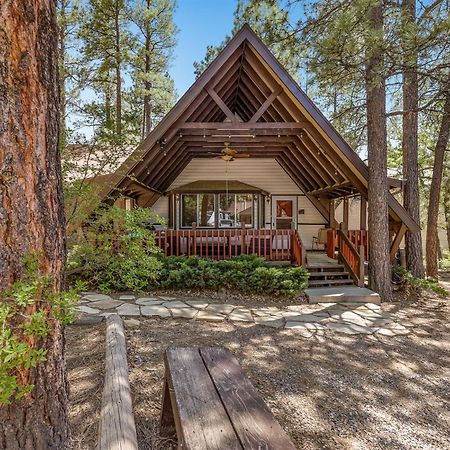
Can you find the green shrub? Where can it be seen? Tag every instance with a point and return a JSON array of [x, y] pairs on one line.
[[444, 263], [412, 284], [117, 252], [29, 309], [248, 274]]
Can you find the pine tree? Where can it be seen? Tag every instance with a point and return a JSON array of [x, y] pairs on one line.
[[272, 23], [153, 90], [413, 240], [31, 207], [106, 42]]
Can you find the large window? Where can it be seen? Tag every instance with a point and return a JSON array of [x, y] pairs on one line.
[[198, 208], [218, 210], [235, 210]]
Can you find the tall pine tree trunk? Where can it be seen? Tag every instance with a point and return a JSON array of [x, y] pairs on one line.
[[379, 267], [413, 240], [435, 189], [31, 203], [447, 204], [118, 63], [147, 119]]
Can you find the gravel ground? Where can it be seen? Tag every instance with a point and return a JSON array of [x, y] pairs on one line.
[[331, 392], [346, 392], [85, 359]]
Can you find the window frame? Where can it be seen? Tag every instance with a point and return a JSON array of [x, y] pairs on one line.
[[255, 202]]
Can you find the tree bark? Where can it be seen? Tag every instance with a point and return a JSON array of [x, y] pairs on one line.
[[435, 188], [147, 122], [379, 267], [413, 240], [31, 203], [118, 71], [447, 205]]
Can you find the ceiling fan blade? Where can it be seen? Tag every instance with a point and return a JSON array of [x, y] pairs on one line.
[[226, 157], [242, 155], [229, 151]]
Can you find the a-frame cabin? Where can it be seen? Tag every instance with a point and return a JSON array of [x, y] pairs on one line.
[[246, 163]]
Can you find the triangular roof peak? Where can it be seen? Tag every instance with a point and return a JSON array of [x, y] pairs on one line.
[[247, 98]]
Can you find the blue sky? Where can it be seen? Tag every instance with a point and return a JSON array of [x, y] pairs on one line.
[[200, 23]]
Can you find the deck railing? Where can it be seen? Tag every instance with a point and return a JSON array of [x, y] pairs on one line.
[[298, 250], [356, 237], [270, 244], [352, 257]]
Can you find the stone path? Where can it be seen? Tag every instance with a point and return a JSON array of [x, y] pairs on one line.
[[306, 319]]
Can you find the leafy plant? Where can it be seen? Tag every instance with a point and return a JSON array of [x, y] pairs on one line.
[[412, 284], [244, 273], [444, 263], [117, 252], [28, 311]]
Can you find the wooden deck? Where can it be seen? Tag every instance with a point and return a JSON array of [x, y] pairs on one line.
[[270, 244]]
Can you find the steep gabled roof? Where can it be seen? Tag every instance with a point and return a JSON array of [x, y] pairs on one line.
[[246, 97]]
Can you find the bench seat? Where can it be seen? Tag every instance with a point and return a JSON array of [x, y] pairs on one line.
[[211, 404]]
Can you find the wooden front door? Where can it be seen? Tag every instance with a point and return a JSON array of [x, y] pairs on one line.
[[283, 212]]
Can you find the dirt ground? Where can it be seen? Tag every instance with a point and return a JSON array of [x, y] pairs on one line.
[[336, 392], [85, 359]]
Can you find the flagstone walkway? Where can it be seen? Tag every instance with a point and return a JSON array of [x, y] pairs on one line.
[[307, 320]]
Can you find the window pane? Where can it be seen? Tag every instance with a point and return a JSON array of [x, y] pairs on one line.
[[206, 210], [235, 209], [188, 210], [244, 209], [227, 217]]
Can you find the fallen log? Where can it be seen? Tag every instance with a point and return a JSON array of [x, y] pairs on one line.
[[117, 430]]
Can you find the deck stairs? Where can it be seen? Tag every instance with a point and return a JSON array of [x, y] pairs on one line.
[[326, 272], [329, 275], [330, 282]]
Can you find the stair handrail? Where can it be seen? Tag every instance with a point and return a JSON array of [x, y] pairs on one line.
[[298, 249], [352, 258]]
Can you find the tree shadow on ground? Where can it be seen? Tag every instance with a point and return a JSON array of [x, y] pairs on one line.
[[85, 360], [329, 391]]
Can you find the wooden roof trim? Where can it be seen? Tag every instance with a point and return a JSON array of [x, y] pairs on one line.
[[323, 124]]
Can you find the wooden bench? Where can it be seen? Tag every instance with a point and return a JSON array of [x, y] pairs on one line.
[[210, 404]]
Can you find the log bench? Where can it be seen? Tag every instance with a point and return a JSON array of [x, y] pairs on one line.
[[208, 403]]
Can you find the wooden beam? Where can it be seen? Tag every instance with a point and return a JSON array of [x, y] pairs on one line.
[[263, 108], [396, 242], [244, 125], [345, 213], [363, 214], [221, 104], [331, 188], [332, 215], [116, 428]]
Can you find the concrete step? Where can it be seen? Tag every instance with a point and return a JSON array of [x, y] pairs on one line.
[[326, 268], [341, 294], [344, 281], [328, 274]]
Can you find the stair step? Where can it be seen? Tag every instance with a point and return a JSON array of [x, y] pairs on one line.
[[348, 281], [327, 274], [325, 268]]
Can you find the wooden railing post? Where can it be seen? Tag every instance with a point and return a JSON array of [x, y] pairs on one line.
[[243, 246], [194, 238], [361, 266]]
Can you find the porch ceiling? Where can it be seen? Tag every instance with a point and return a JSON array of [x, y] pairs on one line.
[[247, 99]]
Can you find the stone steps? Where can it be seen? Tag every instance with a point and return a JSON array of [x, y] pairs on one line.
[[326, 282], [341, 294]]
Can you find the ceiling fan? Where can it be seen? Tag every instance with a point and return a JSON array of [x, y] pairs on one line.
[[230, 154]]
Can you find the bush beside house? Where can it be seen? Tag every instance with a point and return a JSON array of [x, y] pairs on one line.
[[118, 252]]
